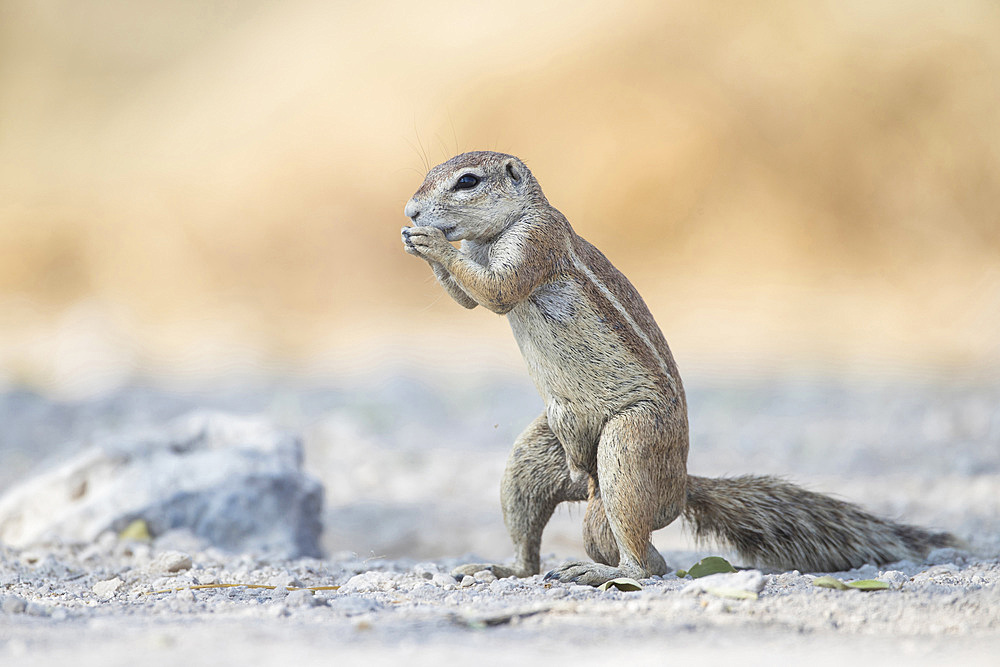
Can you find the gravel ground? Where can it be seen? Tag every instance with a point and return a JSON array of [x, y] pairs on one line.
[[412, 473]]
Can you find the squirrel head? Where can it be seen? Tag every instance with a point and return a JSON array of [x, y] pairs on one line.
[[474, 196]]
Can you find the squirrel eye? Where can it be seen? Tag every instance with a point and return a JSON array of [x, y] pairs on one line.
[[467, 182]]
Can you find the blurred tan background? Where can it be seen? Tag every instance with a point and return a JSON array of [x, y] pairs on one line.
[[199, 189]]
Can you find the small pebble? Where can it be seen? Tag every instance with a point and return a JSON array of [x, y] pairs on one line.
[[485, 576], [301, 598], [107, 589], [170, 562], [441, 579], [185, 595], [747, 581], [369, 582]]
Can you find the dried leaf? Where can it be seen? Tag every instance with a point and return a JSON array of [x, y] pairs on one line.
[[707, 566], [861, 585], [869, 585], [622, 584], [830, 582]]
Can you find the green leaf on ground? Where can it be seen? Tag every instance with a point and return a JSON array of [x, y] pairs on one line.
[[622, 584], [829, 582], [869, 585], [707, 566], [861, 585]]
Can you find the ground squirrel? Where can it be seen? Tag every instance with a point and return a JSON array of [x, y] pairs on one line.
[[614, 431]]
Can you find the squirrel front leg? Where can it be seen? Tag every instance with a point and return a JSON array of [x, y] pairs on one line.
[[451, 287], [498, 287], [441, 273]]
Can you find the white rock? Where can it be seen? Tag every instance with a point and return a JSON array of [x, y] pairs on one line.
[[107, 589], [185, 595], [441, 579], [485, 576], [236, 482], [727, 583], [170, 562], [369, 582]]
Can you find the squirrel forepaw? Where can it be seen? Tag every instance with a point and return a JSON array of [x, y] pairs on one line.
[[407, 244], [427, 242]]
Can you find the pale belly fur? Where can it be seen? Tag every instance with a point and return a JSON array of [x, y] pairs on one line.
[[583, 371]]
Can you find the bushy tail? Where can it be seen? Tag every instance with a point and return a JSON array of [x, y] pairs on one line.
[[778, 525]]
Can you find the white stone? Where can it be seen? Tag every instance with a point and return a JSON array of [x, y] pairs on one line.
[[748, 581], [485, 576], [441, 579], [236, 482], [185, 595], [369, 582], [107, 589], [170, 562]]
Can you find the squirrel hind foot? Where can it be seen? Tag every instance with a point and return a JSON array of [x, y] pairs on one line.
[[592, 574]]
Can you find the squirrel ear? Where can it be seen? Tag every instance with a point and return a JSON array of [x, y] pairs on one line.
[[512, 172]]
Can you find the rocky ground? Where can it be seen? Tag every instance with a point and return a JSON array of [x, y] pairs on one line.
[[411, 474]]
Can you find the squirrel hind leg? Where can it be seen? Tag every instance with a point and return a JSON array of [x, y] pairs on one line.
[[641, 487], [599, 541]]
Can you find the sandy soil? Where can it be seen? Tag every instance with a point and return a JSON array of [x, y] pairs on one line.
[[412, 473]]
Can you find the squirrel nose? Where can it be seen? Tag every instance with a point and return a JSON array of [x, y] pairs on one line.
[[412, 210]]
